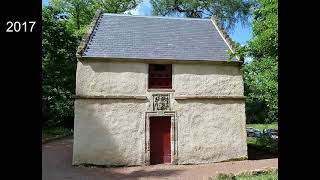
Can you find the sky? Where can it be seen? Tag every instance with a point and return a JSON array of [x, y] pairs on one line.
[[240, 34]]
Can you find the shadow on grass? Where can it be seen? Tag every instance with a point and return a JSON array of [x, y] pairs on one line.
[[256, 153]]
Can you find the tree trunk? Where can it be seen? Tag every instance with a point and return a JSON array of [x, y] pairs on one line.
[[78, 16]]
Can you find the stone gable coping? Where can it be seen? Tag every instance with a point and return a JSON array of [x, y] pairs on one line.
[[231, 44], [86, 38]]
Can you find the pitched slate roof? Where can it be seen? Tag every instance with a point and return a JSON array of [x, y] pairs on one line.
[[153, 37]]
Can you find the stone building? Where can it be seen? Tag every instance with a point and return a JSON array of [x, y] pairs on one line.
[[155, 90]]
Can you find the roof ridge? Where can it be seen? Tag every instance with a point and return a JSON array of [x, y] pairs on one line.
[[86, 38], [158, 17]]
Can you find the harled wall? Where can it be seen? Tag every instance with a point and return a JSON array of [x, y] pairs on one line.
[[112, 131]]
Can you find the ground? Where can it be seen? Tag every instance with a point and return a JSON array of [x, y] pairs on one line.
[[57, 158]]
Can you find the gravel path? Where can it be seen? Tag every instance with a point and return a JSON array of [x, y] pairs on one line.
[[57, 157]]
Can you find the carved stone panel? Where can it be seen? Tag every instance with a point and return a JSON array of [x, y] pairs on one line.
[[161, 102]]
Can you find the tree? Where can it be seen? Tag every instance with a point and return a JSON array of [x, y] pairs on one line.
[[229, 12], [80, 12], [265, 30], [117, 6], [58, 66], [261, 75], [261, 89], [77, 13]]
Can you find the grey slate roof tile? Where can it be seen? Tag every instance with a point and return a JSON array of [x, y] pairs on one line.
[[125, 36]]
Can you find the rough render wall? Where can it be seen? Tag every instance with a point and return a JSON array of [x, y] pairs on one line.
[[209, 130], [206, 79], [98, 78], [111, 132]]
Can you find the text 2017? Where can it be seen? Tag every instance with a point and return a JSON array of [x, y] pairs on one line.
[[20, 27]]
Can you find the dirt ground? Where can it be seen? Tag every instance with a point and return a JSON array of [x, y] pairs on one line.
[[57, 157]]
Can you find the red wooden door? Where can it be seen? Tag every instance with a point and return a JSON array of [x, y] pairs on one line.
[[160, 144]]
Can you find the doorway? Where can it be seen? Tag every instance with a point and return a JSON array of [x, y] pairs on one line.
[[160, 140]]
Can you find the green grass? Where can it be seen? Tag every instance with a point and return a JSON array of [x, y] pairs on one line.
[[252, 140], [263, 126], [49, 133], [261, 175]]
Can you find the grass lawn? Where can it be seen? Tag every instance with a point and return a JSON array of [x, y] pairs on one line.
[[262, 175], [55, 132], [263, 126]]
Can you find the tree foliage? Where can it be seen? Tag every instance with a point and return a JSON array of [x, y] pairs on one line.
[[58, 67], [80, 12], [265, 30], [117, 6], [261, 75], [229, 12], [261, 89]]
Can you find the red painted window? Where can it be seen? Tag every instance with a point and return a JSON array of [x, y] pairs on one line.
[[160, 76]]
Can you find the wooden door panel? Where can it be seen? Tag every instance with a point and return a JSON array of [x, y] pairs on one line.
[[160, 140]]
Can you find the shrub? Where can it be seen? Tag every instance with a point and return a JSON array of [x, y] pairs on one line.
[[268, 144]]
